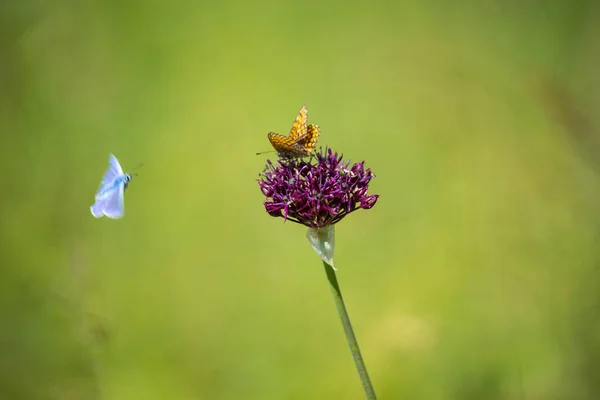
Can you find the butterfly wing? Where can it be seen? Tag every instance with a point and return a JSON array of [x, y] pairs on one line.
[[98, 207], [111, 203], [285, 146], [299, 127], [115, 204], [312, 136], [112, 173]]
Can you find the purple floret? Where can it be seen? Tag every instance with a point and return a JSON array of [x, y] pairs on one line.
[[316, 194]]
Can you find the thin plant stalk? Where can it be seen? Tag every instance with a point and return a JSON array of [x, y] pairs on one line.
[[352, 342]]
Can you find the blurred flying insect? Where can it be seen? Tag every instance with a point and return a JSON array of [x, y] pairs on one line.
[[301, 141], [111, 193]]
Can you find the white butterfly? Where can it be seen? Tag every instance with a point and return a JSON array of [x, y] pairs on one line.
[[110, 195]]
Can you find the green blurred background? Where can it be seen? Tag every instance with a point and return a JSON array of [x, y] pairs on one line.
[[476, 275]]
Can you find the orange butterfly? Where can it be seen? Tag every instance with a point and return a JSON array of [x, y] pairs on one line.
[[302, 139]]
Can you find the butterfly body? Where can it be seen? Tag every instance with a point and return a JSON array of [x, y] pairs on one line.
[[301, 141], [107, 190], [110, 195]]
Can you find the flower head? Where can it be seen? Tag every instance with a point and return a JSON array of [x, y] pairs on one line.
[[316, 194]]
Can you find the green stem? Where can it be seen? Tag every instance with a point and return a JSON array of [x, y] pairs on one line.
[[352, 342]]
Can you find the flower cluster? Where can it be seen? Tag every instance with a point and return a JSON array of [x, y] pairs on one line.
[[316, 194]]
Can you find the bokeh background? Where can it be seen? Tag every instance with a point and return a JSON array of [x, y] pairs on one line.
[[476, 275]]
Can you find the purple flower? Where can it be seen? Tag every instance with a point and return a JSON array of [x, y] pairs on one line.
[[316, 194]]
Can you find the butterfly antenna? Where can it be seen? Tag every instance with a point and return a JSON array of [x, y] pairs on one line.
[[263, 152], [135, 173]]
